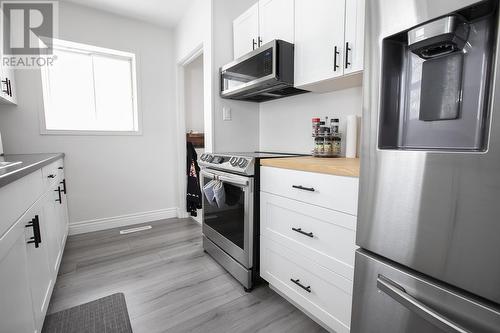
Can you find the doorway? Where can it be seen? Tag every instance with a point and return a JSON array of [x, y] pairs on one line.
[[193, 109], [194, 115]]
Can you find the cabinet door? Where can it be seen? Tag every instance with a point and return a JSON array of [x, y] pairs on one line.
[[16, 311], [276, 20], [39, 270], [319, 40], [62, 210], [53, 225], [354, 36], [246, 31], [8, 86]]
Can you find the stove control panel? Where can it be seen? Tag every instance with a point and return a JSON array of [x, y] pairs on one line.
[[239, 164]]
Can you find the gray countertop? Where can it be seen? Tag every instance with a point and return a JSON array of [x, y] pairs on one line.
[[29, 163]]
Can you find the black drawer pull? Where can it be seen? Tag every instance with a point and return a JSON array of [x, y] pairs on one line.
[[297, 282], [300, 187], [60, 168], [300, 231], [51, 176]]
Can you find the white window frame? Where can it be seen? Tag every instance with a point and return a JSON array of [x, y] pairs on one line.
[[79, 47]]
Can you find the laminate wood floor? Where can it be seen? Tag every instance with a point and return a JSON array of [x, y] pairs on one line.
[[169, 283]]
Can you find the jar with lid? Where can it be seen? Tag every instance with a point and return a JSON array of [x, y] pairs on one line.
[[327, 145], [336, 144], [315, 126], [318, 145]]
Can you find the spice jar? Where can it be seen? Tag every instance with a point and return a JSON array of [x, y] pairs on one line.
[[315, 126], [318, 145]]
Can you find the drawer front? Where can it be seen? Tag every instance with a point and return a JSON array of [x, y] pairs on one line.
[[329, 191], [17, 197], [322, 235], [329, 296], [52, 172]]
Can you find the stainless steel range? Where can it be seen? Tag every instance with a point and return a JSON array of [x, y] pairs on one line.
[[231, 228]]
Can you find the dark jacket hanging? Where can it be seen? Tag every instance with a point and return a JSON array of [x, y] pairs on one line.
[[193, 193]]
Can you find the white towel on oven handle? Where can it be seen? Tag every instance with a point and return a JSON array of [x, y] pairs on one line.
[[219, 194], [208, 190]]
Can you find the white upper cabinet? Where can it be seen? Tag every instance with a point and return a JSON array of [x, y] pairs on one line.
[[263, 22], [354, 35], [276, 20], [319, 40], [329, 38], [246, 31], [8, 86]]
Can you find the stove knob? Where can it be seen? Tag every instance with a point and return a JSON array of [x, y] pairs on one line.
[[203, 157], [233, 161], [209, 158], [242, 162]]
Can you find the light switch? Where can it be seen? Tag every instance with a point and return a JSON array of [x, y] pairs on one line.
[[226, 113]]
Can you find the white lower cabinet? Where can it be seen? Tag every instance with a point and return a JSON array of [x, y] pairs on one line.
[[30, 253], [324, 295], [16, 312], [41, 277], [307, 248]]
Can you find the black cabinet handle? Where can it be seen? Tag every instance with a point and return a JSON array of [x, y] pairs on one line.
[[254, 43], [59, 194], [51, 176], [260, 41], [60, 168], [300, 187], [300, 231], [8, 87], [35, 224], [335, 54], [347, 49], [64, 185], [297, 282]]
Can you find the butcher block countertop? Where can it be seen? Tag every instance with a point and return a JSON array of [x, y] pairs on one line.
[[348, 167]]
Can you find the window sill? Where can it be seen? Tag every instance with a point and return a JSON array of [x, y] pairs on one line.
[[91, 133]]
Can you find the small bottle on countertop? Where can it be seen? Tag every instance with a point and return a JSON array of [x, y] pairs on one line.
[[336, 137]]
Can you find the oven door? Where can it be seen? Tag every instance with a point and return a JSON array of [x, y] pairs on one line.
[[231, 227]]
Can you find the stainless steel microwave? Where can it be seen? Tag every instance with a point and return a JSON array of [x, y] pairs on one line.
[[263, 74]]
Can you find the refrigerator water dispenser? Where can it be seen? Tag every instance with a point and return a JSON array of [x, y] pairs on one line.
[[436, 84]]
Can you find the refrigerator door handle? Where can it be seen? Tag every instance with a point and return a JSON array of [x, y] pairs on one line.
[[400, 295]]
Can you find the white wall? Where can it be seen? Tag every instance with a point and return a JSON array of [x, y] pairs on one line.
[[285, 124], [193, 95], [108, 175], [242, 132], [209, 23], [192, 32]]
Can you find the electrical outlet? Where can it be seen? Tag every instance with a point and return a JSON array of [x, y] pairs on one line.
[[226, 113]]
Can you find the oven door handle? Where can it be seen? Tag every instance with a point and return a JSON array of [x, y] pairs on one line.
[[225, 178]]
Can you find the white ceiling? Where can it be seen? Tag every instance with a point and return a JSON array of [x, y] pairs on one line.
[[166, 13]]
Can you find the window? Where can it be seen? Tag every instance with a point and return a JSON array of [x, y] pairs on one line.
[[89, 90]]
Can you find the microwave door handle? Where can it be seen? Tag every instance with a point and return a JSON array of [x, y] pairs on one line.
[[400, 295]]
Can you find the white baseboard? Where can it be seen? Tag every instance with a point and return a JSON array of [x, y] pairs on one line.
[[121, 221], [182, 214]]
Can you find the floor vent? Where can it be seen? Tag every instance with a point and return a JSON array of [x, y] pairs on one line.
[[131, 230]]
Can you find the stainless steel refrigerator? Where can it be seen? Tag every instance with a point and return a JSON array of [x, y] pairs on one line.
[[429, 204]]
